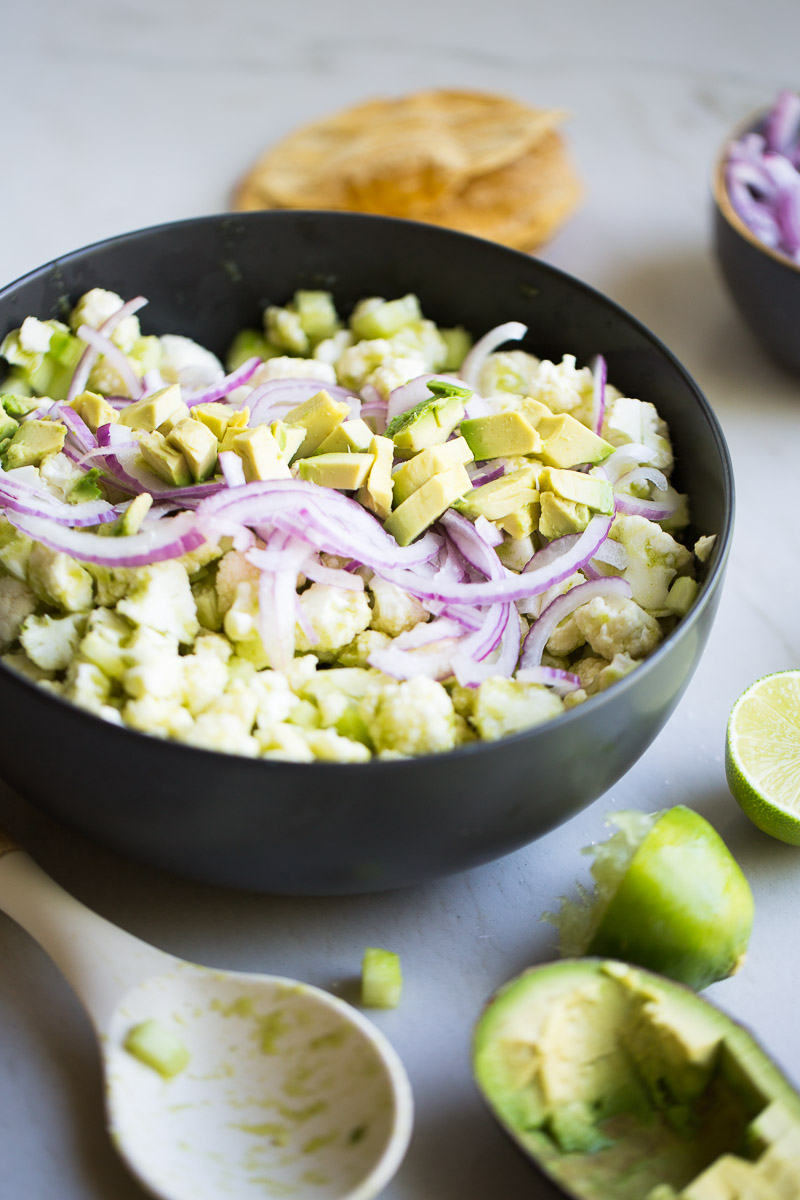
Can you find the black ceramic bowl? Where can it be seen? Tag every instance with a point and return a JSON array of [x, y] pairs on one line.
[[764, 284], [328, 828]]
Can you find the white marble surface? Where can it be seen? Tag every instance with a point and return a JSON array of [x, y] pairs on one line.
[[118, 115]]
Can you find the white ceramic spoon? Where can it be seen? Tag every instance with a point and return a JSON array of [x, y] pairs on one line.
[[288, 1092]]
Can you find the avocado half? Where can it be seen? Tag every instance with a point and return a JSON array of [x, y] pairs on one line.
[[624, 1085]]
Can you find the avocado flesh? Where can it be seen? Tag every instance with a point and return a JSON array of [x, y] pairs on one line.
[[618, 1082]]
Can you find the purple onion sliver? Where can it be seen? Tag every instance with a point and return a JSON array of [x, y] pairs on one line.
[[600, 377], [219, 391], [470, 369], [539, 633]]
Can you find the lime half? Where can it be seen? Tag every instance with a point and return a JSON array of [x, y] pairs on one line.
[[762, 755]]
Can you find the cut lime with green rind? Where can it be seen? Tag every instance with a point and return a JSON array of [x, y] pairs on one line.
[[683, 908], [762, 755]]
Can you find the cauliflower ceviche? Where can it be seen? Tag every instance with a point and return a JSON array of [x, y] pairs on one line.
[[356, 539]]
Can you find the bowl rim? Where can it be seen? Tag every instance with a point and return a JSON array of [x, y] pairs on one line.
[[710, 584], [722, 199]]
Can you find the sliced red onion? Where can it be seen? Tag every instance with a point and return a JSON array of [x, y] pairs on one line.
[[122, 461], [482, 474], [87, 359], [371, 396], [762, 177], [631, 454], [560, 681], [477, 407], [539, 633], [333, 576], [168, 538], [404, 397], [426, 650], [473, 545], [470, 369], [77, 427], [782, 126], [36, 502], [119, 361], [600, 377], [277, 603], [219, 391], [273, 399], [653, 510], [472, 673], [488, 532], [613, 554], [232, 468], [641, 475]]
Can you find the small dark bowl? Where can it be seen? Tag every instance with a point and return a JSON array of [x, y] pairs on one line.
[[338, 828], [764, 284]]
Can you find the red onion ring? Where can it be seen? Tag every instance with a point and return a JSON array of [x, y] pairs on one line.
[[539, 633]]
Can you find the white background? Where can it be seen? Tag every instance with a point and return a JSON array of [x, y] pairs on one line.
[[119, 115]]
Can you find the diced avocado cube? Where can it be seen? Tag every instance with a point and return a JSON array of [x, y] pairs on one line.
[[426, 504], [682, 595], [157, 1046], [152, 411], [501, 497], [457, 344], [558, 517], [381, 978], [8, 426], [289, 438], [18, 403], [500, 434], [86, 488], [260, 454], [426, 424], [237, 423], [354, 435], [343, 471], [197, 444], [568, 443], [522, 522], [214, 415], [417, 470], [249, 343], [181, 413], [33, 441], [165, 460], [94, 410], [595, 493], [131, 520], [377, 318], [319, 416], [376, 494]]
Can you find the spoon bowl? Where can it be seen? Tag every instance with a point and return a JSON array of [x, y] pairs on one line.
[[287, 1089]]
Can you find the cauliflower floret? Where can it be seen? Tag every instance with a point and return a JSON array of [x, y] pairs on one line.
[[35, 335], [241, 625], [222, 731], [329, 350], [422, 340], [205, 675], [329, 746], [15, 549], [52, 642], [95, 307], [233, 569], [357, 362], [597, 674], [629, 420], [111, 583], [17, 602], [160, 678], [357, 653], [59, 580], [104, 642], [274, 698], [507, 371], [159, 716], [87, 686], [239, 700], [505, 706], [564, 387], [186, 362], [285, 742], [654, 559], [19, 662], [337, 616], [300, 671], [59, 474], [393, 610], [412, 717], [613, 625], [283, 367], [161, 598], [394, 371], [703, 547], [284, 329]]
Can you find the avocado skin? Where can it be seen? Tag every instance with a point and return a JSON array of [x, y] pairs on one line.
[[767, 1103]]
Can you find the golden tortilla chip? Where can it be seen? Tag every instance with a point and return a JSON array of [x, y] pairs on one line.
[[396, 156]]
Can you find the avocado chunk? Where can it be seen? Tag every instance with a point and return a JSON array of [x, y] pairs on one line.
[[152, 411], [343, 471], [501, 497], [353, 436], [426, 504], [261, 454], [237, 423], [33, 441], [165, 460], [568, 443], [590, 490], [619, 1085], [197, 444], [500, 434], [94, 410], [419, 469], [558, 517], [376, 494], [319, 416], [213, 415], [8, 426], [428, 423]]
